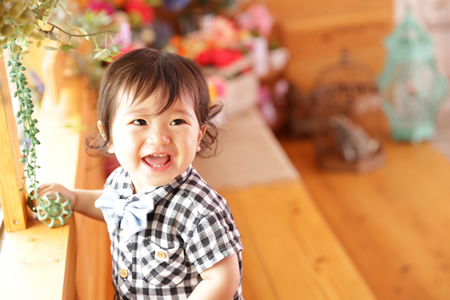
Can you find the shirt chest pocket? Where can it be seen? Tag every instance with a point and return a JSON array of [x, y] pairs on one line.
[[162, 267]]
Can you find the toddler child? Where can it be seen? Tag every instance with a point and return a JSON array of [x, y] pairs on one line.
[[172, 236]]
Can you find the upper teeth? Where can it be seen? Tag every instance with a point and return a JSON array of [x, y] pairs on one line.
[[160, 155]]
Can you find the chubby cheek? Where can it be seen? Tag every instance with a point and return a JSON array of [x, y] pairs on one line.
[[188, 150], [122, 142]]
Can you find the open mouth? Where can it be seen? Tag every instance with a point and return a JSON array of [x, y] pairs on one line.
[[157, 160]]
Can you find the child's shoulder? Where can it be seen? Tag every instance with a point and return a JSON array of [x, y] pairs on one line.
[[197, 193]]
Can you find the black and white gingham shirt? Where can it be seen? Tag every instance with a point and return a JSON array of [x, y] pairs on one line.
[[190, 230]]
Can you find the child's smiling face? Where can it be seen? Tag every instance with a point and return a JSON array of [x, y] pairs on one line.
[[154, 149]]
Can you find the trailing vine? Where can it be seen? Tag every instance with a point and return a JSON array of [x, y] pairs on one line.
[[25, 117], [21, 23]]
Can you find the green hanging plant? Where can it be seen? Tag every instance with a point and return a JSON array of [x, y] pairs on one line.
[[20, 23]]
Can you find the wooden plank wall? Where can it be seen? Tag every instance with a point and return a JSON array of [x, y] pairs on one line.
[[315, 32]]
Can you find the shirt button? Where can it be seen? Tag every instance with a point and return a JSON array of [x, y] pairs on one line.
[[161, 254], [123, 273]]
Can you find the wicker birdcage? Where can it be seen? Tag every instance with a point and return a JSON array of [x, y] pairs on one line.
[[347, 117]]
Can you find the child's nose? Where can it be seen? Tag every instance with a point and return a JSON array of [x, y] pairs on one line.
[[158, 136]]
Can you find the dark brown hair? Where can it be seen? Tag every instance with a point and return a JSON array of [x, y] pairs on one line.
[[142, 72]]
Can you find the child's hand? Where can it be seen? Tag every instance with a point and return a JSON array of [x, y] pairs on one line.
[[53, 188]]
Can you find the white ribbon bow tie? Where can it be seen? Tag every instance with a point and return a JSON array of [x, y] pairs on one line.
[[133, 213]]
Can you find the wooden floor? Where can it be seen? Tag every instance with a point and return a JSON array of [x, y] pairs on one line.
[[393, 221], [289, 250]]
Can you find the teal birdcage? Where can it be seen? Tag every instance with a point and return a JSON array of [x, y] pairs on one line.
[[410, 84]]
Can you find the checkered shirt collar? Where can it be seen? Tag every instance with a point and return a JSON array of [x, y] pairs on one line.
[[124, 186]]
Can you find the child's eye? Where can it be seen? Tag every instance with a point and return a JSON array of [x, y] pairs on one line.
[[178, 122], [140, 122]]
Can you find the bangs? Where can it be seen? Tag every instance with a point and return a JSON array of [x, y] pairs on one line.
[[160, 77]]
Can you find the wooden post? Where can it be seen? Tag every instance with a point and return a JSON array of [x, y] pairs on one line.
[[13, 201]]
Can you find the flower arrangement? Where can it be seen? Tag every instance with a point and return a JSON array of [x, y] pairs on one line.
[[136, 25], [219, 44]]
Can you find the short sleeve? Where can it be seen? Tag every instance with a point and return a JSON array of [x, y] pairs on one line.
[[214, 238]]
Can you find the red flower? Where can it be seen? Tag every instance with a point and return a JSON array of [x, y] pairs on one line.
[[204, 58], [142, 9], [218, 57]]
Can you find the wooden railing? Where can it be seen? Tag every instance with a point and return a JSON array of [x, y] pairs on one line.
[[13, 202]]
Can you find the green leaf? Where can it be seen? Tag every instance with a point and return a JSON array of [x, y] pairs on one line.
[[45, 10], [114, 53], [66, 47], [108, 59], [21, 41], [50, 48], [115, 48], [23, 159], [53, 36], [102, 54]]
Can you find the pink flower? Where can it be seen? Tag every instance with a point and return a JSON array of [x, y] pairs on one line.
[[246, 21], [123, 37], [101, 5], [257, 18]]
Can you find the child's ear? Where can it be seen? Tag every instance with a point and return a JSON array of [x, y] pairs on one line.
[[201, 134], [102, 132]]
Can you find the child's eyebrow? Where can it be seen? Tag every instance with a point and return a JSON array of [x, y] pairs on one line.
[[182, 111], [137, 112], [145, 112]]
